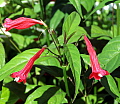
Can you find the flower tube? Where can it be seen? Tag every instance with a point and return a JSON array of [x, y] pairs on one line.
[[22, 75], [97, 71], [21, 23]]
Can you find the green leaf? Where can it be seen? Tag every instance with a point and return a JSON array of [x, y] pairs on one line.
[[16, 63], [58, 98], [19, 61], [102, 4], [28, 12], [18, 2], [109, 83], [77, 5], [74, 38], [37, 8], [92, 99], [86, 59], [118, 83], [81, 87], [52, 70], [118, 1], [2, 56], [7, 97], [18, 89], [77, 36], [110, 55], [22, 41], [118, 19], [56, 19], [30, 87], [48, 61], [48, 94], [114, 30], [2, 1], [88, 4], [96, 31], [73, 57], [70, 25]]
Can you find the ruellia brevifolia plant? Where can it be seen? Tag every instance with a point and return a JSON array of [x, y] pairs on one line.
[[60, 52]]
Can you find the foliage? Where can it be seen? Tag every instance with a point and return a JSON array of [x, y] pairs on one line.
[[61, 74]]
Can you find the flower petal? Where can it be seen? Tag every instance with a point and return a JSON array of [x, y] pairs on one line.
[[97, 71], [22, 75]]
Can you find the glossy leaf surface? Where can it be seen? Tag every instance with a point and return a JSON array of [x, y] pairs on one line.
[[17, 63], [111, 87], [70, 25], [77, 5], [2, 56], [48, 93], [73, 57], [110, 56]]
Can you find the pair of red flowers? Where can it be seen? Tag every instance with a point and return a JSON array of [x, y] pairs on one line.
[[23, 23]]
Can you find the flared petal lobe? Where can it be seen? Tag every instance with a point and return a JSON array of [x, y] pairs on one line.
[[98, 75], [97, 71], [21, 23], [22, 75]]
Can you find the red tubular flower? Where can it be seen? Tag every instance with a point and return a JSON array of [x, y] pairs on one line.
[[97, 71], [21, 23], [21, 75]]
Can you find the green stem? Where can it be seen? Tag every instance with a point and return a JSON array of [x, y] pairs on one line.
[[0, 19], [42, 9], [14, 45], [32, 3], [54, 53], [66, 82], [47, 38], [11, 41], [55, 44], [55, 37], [113, 20], [65, 76], [85, 92], [85, 95], [118, 19]]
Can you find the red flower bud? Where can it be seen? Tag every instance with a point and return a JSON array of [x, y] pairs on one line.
[[21, 23]]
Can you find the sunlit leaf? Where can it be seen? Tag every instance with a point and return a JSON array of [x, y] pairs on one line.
[[22, 41], [7, 96], [102, 4], [77, 5], [18, 2], [37, 8], [73, 57], [28, 12], [70, 25], [86, 59], [80, 31], [87, 4], [16, 63], [110, 56], [2, 56], [17, 88], [56, 19], [109, 83], [96, 31], [48, 93]]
